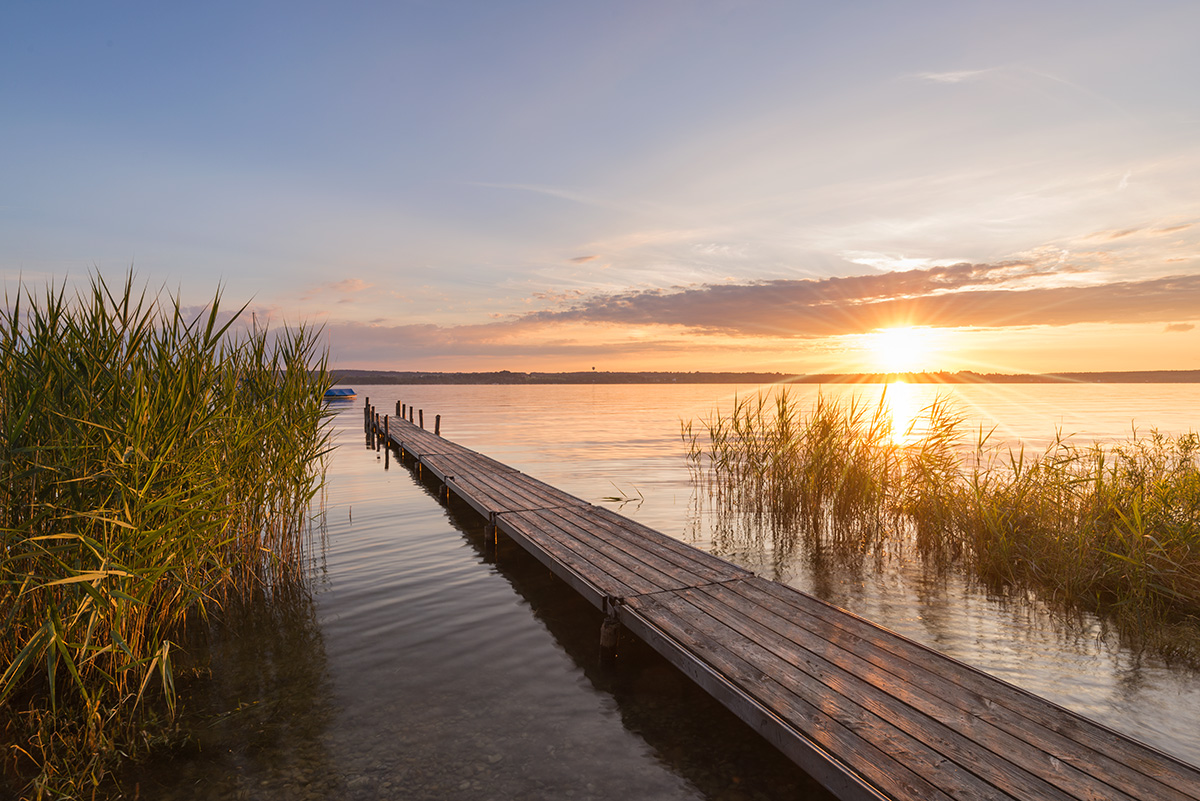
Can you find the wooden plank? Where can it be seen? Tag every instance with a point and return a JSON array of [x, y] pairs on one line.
[[1011, 764], [514, 491], [879, 752], [469, 464], [587, 558], [1089, 745], [926, 684], [664, 565], [510, 492], [517, 491], [704, 566], [538, 493], [419, 441], [817, 761], [560, 564]]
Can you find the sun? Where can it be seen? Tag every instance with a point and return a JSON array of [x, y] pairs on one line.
[[902, 350]]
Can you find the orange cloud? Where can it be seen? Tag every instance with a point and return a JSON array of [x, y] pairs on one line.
[[963, 295]]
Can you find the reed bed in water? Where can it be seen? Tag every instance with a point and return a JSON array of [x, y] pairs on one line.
[[1112, 529], [154, 468]]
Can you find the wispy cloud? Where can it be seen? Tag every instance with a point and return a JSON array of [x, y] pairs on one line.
[[347, 286], [958, 76], [1179, 327], [1140, 230], [350, 285], [1023, 75], [551, 191], [1122, 234], [583, 259]]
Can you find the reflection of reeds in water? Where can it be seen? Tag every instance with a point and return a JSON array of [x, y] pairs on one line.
[[1111, 529], [154, 468]]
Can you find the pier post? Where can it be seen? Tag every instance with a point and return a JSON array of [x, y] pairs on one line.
[[489, 542], [437, 425], [610, 631], [397, 408], [421, 415], [410, 414], [387, 443]]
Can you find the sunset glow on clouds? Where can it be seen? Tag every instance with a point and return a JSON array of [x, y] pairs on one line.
[[700, 186]]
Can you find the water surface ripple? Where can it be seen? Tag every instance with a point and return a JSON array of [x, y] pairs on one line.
[[425, 665]]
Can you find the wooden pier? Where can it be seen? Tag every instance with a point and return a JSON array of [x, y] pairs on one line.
[[866, 712]]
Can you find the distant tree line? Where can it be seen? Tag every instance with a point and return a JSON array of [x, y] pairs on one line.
[[350, 376]]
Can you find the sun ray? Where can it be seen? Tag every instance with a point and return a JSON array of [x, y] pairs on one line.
[[902, 350]]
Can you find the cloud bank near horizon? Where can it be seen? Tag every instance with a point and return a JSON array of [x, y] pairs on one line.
[[963, 295], [1008, 295]]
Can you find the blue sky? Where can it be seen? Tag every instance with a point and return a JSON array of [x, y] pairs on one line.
[[645, 185]]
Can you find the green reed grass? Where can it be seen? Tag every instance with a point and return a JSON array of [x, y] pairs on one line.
[[1112, 529], [155, 467]]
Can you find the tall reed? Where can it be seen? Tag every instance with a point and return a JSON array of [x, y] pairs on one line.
[[1110, 529], [154, 467]]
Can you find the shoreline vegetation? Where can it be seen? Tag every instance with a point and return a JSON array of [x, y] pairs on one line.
[[1112, 530], [350, 376], [157, 470]]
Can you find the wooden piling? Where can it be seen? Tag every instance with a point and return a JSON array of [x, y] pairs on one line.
[[437, 425], [609, 635], [421, 416], [489, 543], [387, 445]]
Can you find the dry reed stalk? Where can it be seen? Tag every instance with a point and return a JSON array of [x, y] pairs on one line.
[[154, 467], [1108, 529]]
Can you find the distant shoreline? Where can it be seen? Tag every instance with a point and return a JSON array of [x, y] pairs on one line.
[[349, 376]]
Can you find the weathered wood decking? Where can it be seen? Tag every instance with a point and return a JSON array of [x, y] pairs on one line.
[[868, 713]]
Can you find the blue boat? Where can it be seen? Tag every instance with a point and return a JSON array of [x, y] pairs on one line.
[[340, 394]]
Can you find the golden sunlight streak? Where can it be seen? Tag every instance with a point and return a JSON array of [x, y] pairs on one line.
[[902, 350], [904, 403]]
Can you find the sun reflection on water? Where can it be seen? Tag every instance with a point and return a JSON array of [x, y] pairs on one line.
[[903, 403]]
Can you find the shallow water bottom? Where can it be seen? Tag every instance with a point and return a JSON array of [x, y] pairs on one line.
[[425, 666]]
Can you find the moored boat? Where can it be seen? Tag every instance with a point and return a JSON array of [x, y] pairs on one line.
[[340, 394]]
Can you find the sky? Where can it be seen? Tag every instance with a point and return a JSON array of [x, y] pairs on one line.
[[796, 186]]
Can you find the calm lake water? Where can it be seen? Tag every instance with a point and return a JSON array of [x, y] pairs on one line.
[[423, 666]]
